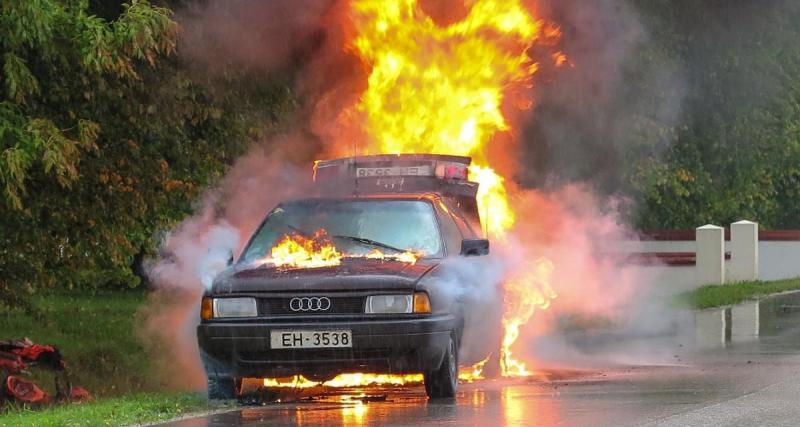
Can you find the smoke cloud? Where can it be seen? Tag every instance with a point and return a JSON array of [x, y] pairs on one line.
[[618, 99], [581, 116], [476, 283], [255, 35], [200, 247], [600, 297]]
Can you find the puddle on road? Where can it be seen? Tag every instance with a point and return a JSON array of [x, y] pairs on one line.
[[765, 322], [512, 402]]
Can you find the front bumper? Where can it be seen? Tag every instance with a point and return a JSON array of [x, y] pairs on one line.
[[379, 345]]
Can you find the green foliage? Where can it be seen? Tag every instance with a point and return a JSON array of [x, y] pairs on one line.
[[105, 140], [734, 293], [735, 151]]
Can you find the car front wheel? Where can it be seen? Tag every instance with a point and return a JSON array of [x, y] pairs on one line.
[[443, 382]]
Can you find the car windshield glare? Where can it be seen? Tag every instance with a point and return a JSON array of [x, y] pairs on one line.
[[355, 227]]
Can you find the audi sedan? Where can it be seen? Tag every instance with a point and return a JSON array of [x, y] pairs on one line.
[[352, 284]]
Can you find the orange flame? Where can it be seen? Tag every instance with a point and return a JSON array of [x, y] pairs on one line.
[[463, 68], [297, 251], [365, 379], [471, 374], [407, 256], [493, 201], [346, 380], [523, 294], [474, 372], [440, 89], [444, 89], [559, 58]]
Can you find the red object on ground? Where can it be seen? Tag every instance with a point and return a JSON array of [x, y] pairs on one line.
[[33, 351], [79, 395], [21, 354], [24, 390], [12, 365]]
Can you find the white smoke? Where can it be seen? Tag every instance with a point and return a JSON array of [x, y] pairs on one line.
[[199, 248], [567, 224], [476, 284], [221, 240]]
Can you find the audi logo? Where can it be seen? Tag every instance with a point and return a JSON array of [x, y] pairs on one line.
[[310, 304]]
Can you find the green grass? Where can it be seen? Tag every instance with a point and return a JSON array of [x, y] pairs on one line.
[[733, 293], [118, 411], [96, 334]]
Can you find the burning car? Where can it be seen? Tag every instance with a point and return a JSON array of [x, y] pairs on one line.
[[351, 280]]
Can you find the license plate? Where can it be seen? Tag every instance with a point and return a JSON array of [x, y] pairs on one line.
[[421, 170], [310, 339]]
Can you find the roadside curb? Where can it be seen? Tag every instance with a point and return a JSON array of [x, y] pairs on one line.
[[191, 416]]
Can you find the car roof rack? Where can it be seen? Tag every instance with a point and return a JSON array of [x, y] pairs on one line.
[[395, 173]]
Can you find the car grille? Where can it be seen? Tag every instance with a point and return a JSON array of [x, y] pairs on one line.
[[339, 305]]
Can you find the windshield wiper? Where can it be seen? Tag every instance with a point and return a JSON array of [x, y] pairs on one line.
[[365, 241]]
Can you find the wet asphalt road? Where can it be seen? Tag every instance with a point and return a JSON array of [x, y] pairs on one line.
[[741, 382]]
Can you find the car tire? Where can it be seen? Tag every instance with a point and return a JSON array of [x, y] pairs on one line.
[[442, 383], [221, 388]]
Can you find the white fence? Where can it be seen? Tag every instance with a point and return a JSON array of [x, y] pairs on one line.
[[687, 259]]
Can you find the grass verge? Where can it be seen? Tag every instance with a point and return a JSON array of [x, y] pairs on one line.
[[118, 411], [733, 293], [96, 334]]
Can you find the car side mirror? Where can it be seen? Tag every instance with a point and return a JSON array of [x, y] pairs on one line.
[[474, 247], [229, 260]]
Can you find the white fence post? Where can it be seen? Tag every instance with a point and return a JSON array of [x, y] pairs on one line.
[[744, 251], [745, 324], [710, 255], [709, 328]]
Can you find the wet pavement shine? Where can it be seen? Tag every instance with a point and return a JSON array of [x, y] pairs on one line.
[[731, 378]]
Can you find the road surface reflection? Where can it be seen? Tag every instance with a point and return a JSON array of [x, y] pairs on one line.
[[510, 403], [748, 348]]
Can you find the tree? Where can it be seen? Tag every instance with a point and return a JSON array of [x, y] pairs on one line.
[[736, 148], [104, 140]]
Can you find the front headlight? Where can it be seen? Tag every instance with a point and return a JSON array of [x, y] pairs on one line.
[[235, 307], [385, 304]]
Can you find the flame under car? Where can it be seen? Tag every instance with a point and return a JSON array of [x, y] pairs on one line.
[[354, 281]]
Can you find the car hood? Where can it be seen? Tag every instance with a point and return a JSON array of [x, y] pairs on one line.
[[353, 274]]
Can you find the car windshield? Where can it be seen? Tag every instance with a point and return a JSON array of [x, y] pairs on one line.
[[355, 227]]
